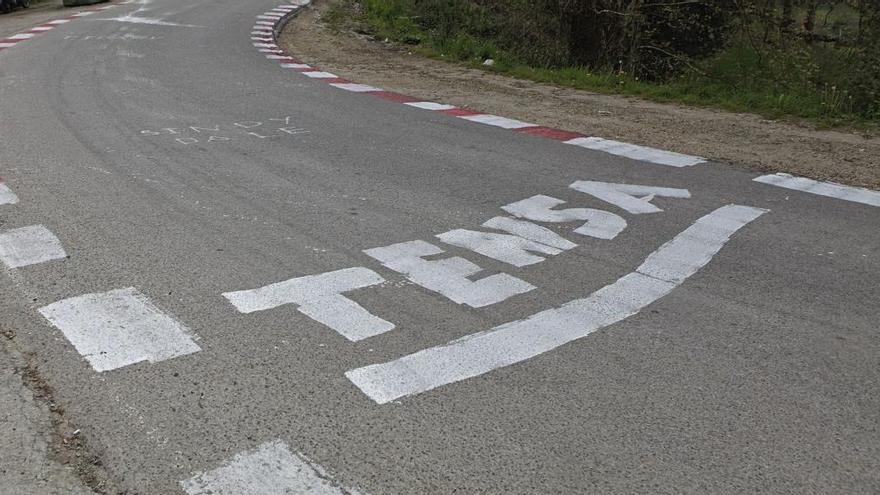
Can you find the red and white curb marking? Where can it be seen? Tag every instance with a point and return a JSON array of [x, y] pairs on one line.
[[269, 24], [264, 36], [23, 36], [827, 189]]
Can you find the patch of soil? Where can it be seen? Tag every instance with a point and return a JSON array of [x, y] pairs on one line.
[[743, 139], [40, 12]]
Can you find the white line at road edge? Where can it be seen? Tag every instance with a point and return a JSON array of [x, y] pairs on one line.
[[119, 328], [514, 342], [829, 189], [270, 469], [636, 152]]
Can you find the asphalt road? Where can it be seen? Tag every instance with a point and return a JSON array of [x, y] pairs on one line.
[[749, 367]]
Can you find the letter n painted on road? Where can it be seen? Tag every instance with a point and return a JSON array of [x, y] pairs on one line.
[[514, 342]]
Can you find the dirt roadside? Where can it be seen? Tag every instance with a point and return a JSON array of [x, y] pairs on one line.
[[742, 139], [40, 12]]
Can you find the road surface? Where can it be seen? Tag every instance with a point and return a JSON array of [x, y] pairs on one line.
[[239, 279]]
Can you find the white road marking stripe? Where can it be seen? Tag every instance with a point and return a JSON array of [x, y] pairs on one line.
[[320, 75], [7, 197], [119, 328], [600, 224], [262, 39], [448, 276], [272, 56], [273, 16], [265, 45], [59, 21], [521, 340], [637, 152], [296, 66], [320, 298], [829, 189], [634, 198], [7, 45], [264, 23], [29, 246], [355, 88], [270, 469], [43, 28], [82, 14], [430, 105], [21, 36], [270, 50], [497, 121]]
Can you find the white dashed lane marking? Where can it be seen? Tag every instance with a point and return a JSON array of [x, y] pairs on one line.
[[518, 341], [119, 328], [7, 197], [270, 469], [29, 246], [828, 189]]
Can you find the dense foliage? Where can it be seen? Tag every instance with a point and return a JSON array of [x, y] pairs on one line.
[[804, 57]]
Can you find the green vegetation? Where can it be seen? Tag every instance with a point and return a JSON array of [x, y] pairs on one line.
[[738, 55]]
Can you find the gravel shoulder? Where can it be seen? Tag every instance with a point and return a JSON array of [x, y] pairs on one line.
[[742, 139]]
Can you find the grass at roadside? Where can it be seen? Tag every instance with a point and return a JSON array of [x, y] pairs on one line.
[[737, 79]]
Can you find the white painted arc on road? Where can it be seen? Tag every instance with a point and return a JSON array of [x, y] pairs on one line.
[[27, 246], [119, 328], [7, 197], [517, 341], [270, 469], [320, 298], [636, 152], [827, 189]]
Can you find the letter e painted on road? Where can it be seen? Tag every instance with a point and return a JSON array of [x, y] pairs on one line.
[[448, 276]]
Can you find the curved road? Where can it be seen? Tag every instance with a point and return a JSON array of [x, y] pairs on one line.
[[715, 336]]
